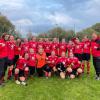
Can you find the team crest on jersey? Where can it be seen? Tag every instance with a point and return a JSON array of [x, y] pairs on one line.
[[33, 58]]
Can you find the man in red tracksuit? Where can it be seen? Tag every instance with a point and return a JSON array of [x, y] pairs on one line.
[[5, 38], [3, 57], [86, 54], [95, 46]]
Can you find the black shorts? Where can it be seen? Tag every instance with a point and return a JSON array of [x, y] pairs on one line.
[[10, 62], [47, 68], [74, 72], [60, 67], [79, 56], [86, 56], [31, 70], [16, 58], [2, 62], [21, 73], [40, 72], [48, 54], [96, 61]]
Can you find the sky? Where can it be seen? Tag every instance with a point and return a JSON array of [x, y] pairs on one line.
[[42, 15]]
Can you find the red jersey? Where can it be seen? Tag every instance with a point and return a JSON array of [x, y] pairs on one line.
[[78, 48], [62, 60], [21, 63], [10, 48], [86, 47], [24, 48], [32, 60], [74, 63], [70, 49], [52, 60], [40, 45], [94, 47], [62, 48], [47, 47], [3, 49], [54, 47], [17, 50], [33, 45]]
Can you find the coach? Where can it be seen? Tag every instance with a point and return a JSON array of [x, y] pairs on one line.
[[95, 45]]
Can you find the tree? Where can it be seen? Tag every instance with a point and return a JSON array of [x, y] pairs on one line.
[[88, 31], [29, 35], [58, 32], [6, 25], [96, 27]]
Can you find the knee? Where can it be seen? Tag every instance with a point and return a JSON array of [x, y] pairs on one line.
[[11, 67], [22, 78], [26, 69], [16, 71], [62, 75], [69, 70], [79, 70], [72, 76]]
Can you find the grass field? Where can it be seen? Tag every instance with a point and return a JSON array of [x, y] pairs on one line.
[[85, 88]]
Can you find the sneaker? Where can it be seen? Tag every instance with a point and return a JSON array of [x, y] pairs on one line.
[[17, 82], [9, 78], [97, 78], [2, 85], [47, 77], [24, 83]]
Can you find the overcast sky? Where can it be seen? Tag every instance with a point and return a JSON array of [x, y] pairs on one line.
[[42, 15]]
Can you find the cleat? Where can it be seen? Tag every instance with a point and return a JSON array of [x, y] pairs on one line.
[[17, 82], [24, 83]]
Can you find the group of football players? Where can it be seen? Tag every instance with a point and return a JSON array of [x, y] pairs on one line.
[[23, 58]]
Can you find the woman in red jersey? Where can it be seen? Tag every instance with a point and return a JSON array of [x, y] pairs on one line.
[[32, 61], [73, 66], [21, 71]]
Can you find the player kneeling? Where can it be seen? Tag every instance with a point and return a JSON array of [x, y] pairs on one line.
[[51, 64], [41, 62], [61, 65], [21, 71], [75, 66]]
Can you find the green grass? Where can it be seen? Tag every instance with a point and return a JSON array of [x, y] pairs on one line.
[[85, 88]]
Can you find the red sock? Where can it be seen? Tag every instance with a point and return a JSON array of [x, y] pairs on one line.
[[1, 81], [67, 73], [3, 78], [16, 76], [88, 67], [46, 74], [9, 73], [79, 74], [83, 65], [26, 73]]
